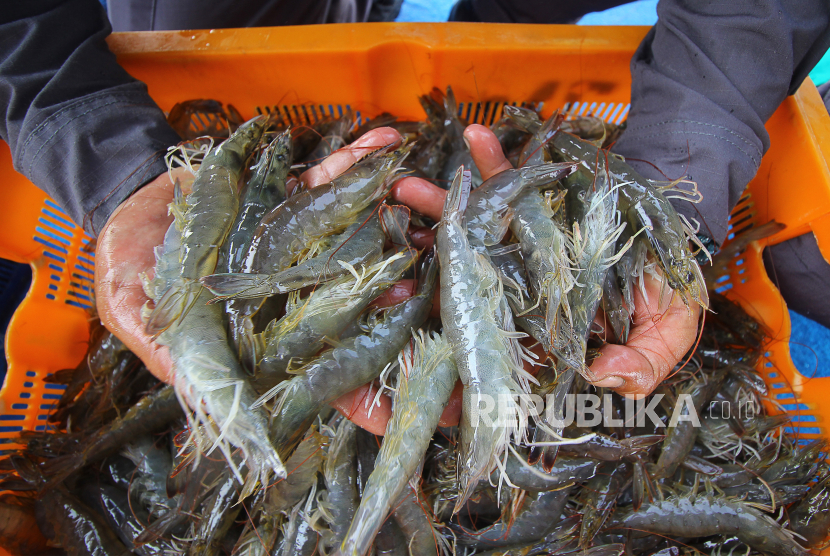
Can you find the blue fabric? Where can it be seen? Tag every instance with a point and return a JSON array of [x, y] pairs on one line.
[[821, 73], [641, 12], [809, 346], [425, 10], [15, 279]]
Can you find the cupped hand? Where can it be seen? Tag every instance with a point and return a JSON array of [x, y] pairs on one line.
[[663, 327], [125, 248]]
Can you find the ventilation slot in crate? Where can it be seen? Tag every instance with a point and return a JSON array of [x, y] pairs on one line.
[[71, 272]]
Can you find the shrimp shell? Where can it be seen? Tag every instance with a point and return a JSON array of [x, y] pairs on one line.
[[484, 349], [425, 381], [703, 515], [208, 214], [342, 369]]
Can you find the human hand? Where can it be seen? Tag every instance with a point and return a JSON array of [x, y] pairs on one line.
[[663, 329], [125, 248]]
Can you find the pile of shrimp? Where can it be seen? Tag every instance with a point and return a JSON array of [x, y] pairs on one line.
[[268, 295]]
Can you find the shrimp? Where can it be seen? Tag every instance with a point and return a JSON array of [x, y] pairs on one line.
[[264, 191], [681, 437], [600, 494], [565, 472], [153, 465], [426, 379], [209, 379], [538, 517], [299, 223], [591, 244], [152, 413], [353, 363], [335, 138], [544, 249], [605, 448], [69, 523], [339, 503], [810, 518], [535, 150], [299, 537], [413, 516], [206, 219], [360, 245], [484, 347], [326, 312], [488, 215], [390, 540], [511, 269], [647, 211], [303, 466], [127, 522], [220, 512], [702, 515]]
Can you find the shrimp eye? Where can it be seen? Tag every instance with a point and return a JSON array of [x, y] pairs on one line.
[[690, 277]]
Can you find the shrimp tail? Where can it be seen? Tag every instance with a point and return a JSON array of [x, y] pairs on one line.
[[173, 306], [240, 285], [395, 220], [429, 274], [551, 125]]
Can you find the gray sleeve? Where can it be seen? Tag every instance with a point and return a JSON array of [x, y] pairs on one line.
[[705, 80], [79, 127]]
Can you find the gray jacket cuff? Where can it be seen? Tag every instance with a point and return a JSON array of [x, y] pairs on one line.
[[94, 152]]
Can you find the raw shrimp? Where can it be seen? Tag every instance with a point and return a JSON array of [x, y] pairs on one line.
[[487, 215], [426, 378], [220, 512], [564, 472], [339, 503], [210, 380], [600, 494], [264, 191], [484, 348], [360, 245], [647, 211], [152, 413], [544, 248], [681, 437], [205, 220], [69, 523], [303, 220], [325, 313], [353, 363], [702, 515], [538, 517]]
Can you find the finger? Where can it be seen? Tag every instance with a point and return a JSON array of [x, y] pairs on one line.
[[340, 161], [452, 412], [663, 330], [402, 290], [422, 238], [355, 407], [421, 196], [486, 150], [356, 404]]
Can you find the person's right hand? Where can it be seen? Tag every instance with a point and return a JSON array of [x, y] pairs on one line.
[[137, 226], [125, 249]]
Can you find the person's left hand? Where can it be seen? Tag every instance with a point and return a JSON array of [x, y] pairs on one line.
[[662, 331]]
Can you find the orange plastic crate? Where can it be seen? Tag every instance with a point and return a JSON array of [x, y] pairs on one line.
[[305, 72]]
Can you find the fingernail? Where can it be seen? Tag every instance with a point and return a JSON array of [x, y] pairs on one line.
[[610, 382], [466, 142]]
